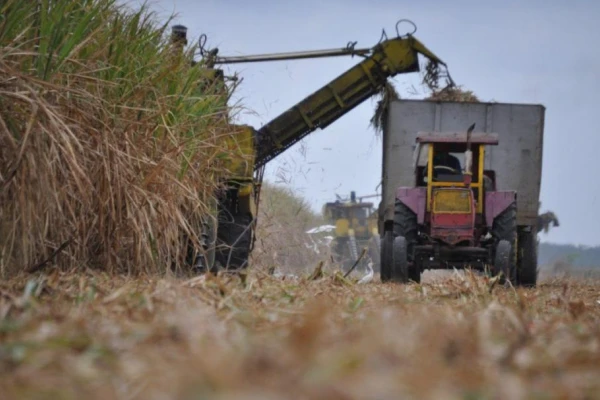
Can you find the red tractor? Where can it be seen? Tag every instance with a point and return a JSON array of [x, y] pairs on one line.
[[453, 217]]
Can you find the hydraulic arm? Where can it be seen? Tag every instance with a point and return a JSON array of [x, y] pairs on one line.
[[387, 59]]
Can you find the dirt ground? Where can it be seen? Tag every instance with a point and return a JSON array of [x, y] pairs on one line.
[[456, 336]]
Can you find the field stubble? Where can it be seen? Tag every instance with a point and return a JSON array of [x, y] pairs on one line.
[[68, 335]]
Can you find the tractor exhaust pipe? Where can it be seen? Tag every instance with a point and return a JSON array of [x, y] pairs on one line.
[[468, 174]]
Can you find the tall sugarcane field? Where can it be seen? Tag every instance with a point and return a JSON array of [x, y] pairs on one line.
[[151, 249]]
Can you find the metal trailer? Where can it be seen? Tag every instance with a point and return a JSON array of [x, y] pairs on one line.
[[517, 159]]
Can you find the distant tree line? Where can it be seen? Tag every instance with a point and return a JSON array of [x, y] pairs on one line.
[[576, 256]]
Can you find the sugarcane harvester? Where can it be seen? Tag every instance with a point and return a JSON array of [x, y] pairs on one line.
[[228, 239], [356, 239]]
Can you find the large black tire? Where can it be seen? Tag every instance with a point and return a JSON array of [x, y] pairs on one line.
[[400, 260], [387, 245], [505, 228], [527, 271], [502, 261], [234, 238], [205, 259], [405, 224]]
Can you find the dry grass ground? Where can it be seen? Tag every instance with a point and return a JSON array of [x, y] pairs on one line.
[[68, 336]]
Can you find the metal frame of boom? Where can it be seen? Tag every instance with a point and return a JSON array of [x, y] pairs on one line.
[[294, 55]]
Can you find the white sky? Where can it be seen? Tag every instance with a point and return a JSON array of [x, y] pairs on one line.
[[528, 51]]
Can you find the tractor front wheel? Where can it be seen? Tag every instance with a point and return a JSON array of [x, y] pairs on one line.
[[503, 261], [400, 260], [505, 229], [405, 225]]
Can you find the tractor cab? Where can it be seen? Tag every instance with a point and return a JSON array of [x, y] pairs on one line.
[[453, 173]]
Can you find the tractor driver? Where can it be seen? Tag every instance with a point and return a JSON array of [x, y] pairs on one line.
[[446, 159]]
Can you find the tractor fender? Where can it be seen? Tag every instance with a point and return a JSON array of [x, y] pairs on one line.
[[496, 203], [415, 198]]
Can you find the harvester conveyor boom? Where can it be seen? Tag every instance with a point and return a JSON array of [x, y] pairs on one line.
[[387, 59], [348, 90]]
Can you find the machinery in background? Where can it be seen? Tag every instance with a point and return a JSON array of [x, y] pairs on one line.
[[356, 230]]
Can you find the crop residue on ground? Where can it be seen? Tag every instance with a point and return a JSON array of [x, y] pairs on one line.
[[68, 336]]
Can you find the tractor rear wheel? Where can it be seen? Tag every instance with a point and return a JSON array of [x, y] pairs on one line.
[[502, 261], [386, 256], [400, 260], [527, 271], [234, 241], [504, 228]]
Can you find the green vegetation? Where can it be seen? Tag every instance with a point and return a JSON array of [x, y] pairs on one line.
[[108, 142]]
